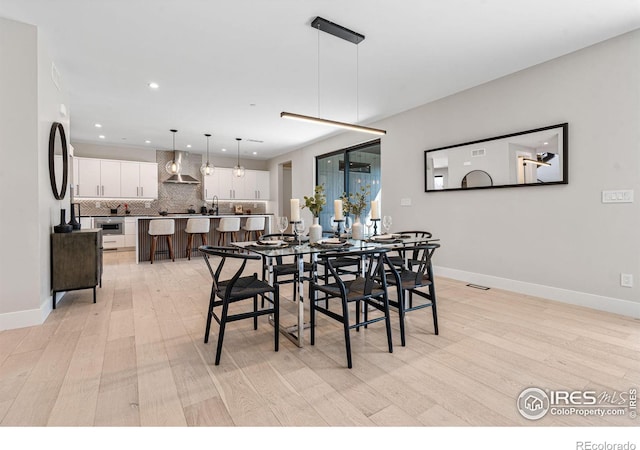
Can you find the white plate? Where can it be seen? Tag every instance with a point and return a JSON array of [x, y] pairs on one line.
[[330, 241], [384, 237], [273, 243]]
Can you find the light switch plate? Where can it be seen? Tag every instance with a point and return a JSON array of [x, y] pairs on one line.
[[626, 280], [405, 202], [619, 196]]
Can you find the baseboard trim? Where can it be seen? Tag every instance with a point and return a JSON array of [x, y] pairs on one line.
[[599, 302], [27, 318]]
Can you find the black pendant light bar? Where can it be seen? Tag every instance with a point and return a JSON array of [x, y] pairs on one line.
[[337, 30]]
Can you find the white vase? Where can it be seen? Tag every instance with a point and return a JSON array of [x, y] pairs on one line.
[[315, 231], [357, 229]]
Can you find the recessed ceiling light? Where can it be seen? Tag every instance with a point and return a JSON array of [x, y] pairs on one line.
[[255, 153], [224, 149], [154, 85], [101, 136], [147, 142], [546, 143], [97, 125], [188, 145]]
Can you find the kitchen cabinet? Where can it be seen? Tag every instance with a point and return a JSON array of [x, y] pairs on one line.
[[130, 232], [97, 178], [76, 261], [212, 185], [253, 186], [138, 180]]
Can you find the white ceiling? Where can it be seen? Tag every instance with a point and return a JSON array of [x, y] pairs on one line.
[[230, 67]]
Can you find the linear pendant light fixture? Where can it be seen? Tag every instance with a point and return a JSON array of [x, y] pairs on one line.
[[348, 35]]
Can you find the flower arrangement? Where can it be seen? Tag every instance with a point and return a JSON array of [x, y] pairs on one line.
[[316, 202], [356, 202]]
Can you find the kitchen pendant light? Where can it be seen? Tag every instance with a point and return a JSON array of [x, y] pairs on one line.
[[173, 166], [238, 170], [348, 35], [207, 169]]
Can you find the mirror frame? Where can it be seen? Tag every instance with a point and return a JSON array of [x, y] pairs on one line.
[[565, 160], [58, 129]]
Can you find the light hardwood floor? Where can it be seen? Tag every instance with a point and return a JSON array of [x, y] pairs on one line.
[[137, 358]]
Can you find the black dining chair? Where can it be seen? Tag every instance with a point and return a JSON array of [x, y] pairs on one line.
[[235, 289], [365, 290], [285, 269], [400, 258], [411, 279]]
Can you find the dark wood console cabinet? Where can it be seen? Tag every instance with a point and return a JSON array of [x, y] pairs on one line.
[[76, 261]]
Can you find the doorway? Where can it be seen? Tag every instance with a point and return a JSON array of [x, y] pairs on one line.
[[286, 189]]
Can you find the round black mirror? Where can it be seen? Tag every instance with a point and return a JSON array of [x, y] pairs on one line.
[[476, 178], [58, 160]]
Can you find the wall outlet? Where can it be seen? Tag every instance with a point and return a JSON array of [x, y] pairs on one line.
[[147, 205], [405, 202], [623, 196], [97, 204], [626, 280]]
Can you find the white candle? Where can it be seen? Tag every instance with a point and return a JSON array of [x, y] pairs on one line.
[[295, 210], [375, 214], [337, 209]]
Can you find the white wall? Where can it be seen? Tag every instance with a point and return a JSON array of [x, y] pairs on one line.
[[582, 245], [29, 104]]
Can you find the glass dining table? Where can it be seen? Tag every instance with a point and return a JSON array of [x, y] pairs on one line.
[[270, 254]]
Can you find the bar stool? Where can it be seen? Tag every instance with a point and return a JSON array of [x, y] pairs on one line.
[[228, 225], [255, 225], [161, 227], [196, 226]]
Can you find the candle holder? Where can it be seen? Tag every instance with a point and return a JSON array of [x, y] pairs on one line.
[[375, 226], [338, 231], [295, 230]]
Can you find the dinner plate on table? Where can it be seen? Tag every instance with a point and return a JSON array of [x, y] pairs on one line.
[[332, 242], [385, 237], [272, 243]]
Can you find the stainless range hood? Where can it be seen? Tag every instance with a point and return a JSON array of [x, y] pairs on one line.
[[181, 178]]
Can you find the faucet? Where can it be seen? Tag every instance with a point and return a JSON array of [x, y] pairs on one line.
[[214, 203]]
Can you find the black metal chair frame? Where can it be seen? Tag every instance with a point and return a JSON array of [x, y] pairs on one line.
[[370, 289], [418, 274], [281, 269], [225, 292], [399, 260]]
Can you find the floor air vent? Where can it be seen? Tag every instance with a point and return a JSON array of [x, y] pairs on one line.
[[477, 286]]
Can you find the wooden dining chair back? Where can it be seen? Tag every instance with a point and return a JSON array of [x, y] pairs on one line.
[[235, 289], [400, 257], [412, 278], [368, 289], [285, 272]]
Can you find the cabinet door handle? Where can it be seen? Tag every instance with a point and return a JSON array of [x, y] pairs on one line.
[[137, 191], [206, 194], [230, 194], [98, 191], [141, 191], [103, 190], [77, 189]]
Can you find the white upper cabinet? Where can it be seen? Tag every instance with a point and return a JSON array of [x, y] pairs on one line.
[[253, 186], [138, 180], [115, 179], [148, 180], [263, 184]]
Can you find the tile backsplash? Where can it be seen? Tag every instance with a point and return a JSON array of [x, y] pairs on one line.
[[173, 198]]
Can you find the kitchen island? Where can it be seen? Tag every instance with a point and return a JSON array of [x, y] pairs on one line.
[[143, 240]]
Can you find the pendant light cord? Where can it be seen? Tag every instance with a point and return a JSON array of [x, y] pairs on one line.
[[357, 84], [318, 70]]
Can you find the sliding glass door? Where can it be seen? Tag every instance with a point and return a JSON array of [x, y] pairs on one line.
[[363, 163]]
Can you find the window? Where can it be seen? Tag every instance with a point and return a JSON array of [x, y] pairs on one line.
[[363, 162]]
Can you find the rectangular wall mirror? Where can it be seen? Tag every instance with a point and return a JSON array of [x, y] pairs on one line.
[[528, 158]]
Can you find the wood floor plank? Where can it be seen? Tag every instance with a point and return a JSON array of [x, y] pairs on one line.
[[137, 358]]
